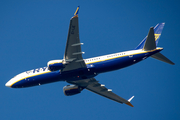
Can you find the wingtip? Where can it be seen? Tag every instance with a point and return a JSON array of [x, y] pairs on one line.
[[172, 63], [128, 103]]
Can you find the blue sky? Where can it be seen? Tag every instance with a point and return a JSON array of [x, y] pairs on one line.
[[35, 32]]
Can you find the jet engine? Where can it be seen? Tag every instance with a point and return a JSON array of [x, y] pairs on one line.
[[54, 65], [72, 90]]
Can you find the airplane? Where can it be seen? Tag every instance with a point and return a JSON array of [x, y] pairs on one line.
[[80, 73]]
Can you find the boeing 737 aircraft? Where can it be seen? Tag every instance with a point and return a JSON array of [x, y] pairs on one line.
[[80, 72]]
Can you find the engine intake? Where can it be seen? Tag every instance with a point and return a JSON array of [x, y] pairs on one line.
[[54, 65], [72, 90]]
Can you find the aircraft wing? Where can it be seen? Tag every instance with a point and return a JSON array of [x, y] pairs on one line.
[[94, 86], [73, 54]]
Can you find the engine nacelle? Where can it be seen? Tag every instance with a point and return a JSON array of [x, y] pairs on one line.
[[54, 65], [72, 90]]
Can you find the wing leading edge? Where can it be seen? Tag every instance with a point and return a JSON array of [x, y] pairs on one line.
[[94, 86], [73, 53]]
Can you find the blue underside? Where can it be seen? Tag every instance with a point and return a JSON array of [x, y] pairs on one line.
[[91, 71]]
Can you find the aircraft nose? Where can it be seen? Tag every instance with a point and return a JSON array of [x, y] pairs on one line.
[[12, 83], [8, 84]]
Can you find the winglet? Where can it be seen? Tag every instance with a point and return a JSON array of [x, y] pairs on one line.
[[128, 103], [131, 98], [76, 12]]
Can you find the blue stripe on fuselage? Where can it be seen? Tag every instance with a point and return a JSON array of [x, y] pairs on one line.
[[37, 80], [92, 70]]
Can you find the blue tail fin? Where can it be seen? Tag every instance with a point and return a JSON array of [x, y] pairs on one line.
[[157, 33]]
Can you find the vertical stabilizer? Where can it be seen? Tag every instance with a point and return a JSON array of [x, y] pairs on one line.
[[157, 33]]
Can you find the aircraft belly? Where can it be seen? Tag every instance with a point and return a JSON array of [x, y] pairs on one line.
[[78, 74]]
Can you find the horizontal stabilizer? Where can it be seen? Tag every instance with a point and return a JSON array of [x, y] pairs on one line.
[[161, 57]]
